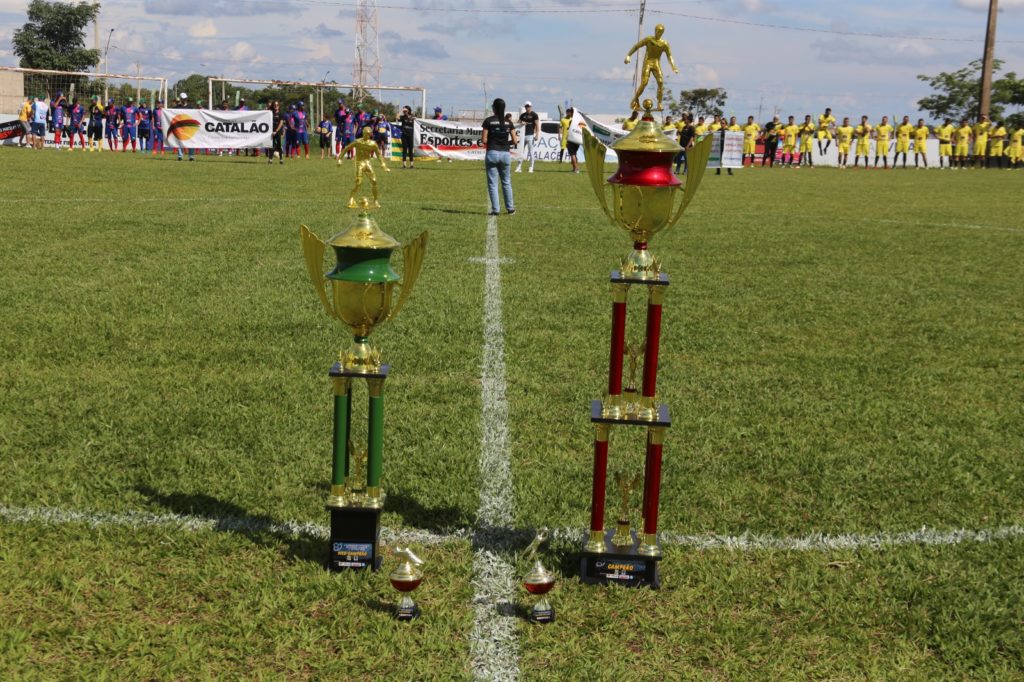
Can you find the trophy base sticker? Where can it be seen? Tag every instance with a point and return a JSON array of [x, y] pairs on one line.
[[407, 612], [619, 565], [355, 539], [541, 616]]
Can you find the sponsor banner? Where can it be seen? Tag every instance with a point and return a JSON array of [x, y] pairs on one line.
[[213, 129], [10, 129], [448, 140], [727, 150]]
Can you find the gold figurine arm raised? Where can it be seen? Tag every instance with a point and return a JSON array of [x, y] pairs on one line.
[[593, 152], [313, 249], [696, 164], [412, 257]]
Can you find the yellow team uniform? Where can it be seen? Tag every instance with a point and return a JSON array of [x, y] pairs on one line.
[[884, 131], [734, 128], [26, 111], [806, 137], [824, 129], [701, 130], [789, 134], [863, 133], [630, 124], [945, 135], [920, 139], [981, 138], [1017, 144], [750, 132], [565, 123], [998, 140], [903, 138], [715, 127], [845, 134], [963, 147]]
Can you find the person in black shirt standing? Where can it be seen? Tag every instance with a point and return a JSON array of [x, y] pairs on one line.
[[277, 130], [498, 136], [771, 141], [531, 134], [407, 123], [687, 132]]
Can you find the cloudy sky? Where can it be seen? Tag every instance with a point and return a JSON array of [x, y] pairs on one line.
[[798, 56]]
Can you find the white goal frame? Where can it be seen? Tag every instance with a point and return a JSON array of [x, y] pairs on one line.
[[161, 81], [322, 85]]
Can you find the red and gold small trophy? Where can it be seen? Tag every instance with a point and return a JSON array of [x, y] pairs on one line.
[[406, 577], [643, 203], [539, 581]]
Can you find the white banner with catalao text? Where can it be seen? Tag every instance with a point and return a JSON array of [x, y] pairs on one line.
[[214, 129]]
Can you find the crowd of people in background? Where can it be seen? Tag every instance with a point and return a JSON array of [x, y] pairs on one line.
[[979, 144]]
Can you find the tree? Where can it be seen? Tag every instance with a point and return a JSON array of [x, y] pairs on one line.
[[699, 102], [54, 36], [956, 94]]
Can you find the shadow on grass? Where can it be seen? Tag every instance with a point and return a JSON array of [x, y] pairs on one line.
[[260, 529], [416, 515], [434, 209]]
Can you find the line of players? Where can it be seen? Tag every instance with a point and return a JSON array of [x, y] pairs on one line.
[[130, 123], [982, 144]]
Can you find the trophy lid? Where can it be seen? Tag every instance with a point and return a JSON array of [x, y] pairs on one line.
[[363, 233], [647, 136]]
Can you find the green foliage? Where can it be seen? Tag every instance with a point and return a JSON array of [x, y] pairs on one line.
[[54, 36], [957, 93], [699, 102]]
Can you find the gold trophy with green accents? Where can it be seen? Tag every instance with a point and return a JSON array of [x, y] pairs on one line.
[[359, 292]]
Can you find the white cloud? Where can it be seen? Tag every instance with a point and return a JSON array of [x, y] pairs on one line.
[[755, 6], [705, 75], [203, 29], [243, 51]]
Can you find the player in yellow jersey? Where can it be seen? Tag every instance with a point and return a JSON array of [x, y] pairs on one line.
[[716, 125], [903, 132], [734, 126], [963, 146], [863, 135], [921, 133], [945, 135], [668, 127], [701, 129], [807, 130], [882, 134], [996, 144], [826, 123], [1017, 148], [981, 130], [844, 134], [750, 133], [789, 134]]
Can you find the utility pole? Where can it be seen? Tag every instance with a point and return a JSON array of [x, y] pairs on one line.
[[138, 82], [106, 84], [366, 68], [639, 34], [985, 100]]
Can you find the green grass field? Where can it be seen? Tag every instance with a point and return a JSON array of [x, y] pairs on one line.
[[843, 353]]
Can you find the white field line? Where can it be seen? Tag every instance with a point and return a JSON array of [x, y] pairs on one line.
[[747, 542], [493, 644]]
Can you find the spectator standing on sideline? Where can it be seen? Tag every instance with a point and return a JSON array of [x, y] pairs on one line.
[[687, 134], [279, 130], [531, 134], [498, 138], [572, 147], [563, 130], [24, 114], [407, 124], [183, 103], [323, 131]]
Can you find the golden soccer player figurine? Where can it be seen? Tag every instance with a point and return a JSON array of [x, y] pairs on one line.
[[365, 149], [882, 134], [963, 145], [903, 132], [945, 135], [652, 64], [807, 130], [845, 134], [981, 130], [863, 134], [921, 133]]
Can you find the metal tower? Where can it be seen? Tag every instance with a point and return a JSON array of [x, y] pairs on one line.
[[366, 68]]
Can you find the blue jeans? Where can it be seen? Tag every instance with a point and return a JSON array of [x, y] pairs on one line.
[[499, 164]]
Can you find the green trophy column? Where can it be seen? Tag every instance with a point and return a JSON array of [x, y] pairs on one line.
[[375, 444], [342, 421]]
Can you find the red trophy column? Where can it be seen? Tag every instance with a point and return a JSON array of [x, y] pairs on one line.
[[649, 406], [652, 489], [612, 407], [595, 542]]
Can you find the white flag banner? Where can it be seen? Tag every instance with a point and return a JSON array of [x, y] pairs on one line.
[[726, 150], [214, 129]]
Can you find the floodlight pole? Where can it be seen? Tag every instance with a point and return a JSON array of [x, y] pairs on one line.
[[106, 83], [639, 34], [985, 100]]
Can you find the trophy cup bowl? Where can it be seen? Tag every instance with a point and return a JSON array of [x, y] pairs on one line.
[[362, 283], [405, 578], [539, 581], [644, 188]]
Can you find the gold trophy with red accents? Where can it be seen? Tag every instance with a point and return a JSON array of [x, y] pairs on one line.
[[643, 197]]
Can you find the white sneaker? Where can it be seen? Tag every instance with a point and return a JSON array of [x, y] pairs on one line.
[[519, 170], [531, 170]]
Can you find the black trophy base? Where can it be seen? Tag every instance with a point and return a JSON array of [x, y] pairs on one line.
[[541, 616], [355, 539], [620, 565], [407, 613]]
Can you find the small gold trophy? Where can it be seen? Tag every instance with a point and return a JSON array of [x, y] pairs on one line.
[[623, 533], [405, 578], [539, 581]]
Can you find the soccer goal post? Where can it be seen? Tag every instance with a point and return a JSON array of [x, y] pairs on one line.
[[320, 97], [17, 83]]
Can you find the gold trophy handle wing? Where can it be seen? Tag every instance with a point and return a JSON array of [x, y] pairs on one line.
[[593, 152], [412, 257], [313, 249], [696, 164]]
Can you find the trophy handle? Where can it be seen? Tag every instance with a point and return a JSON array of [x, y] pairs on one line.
[[696, 164], [593, 152], [412, 262], [313, 249]]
